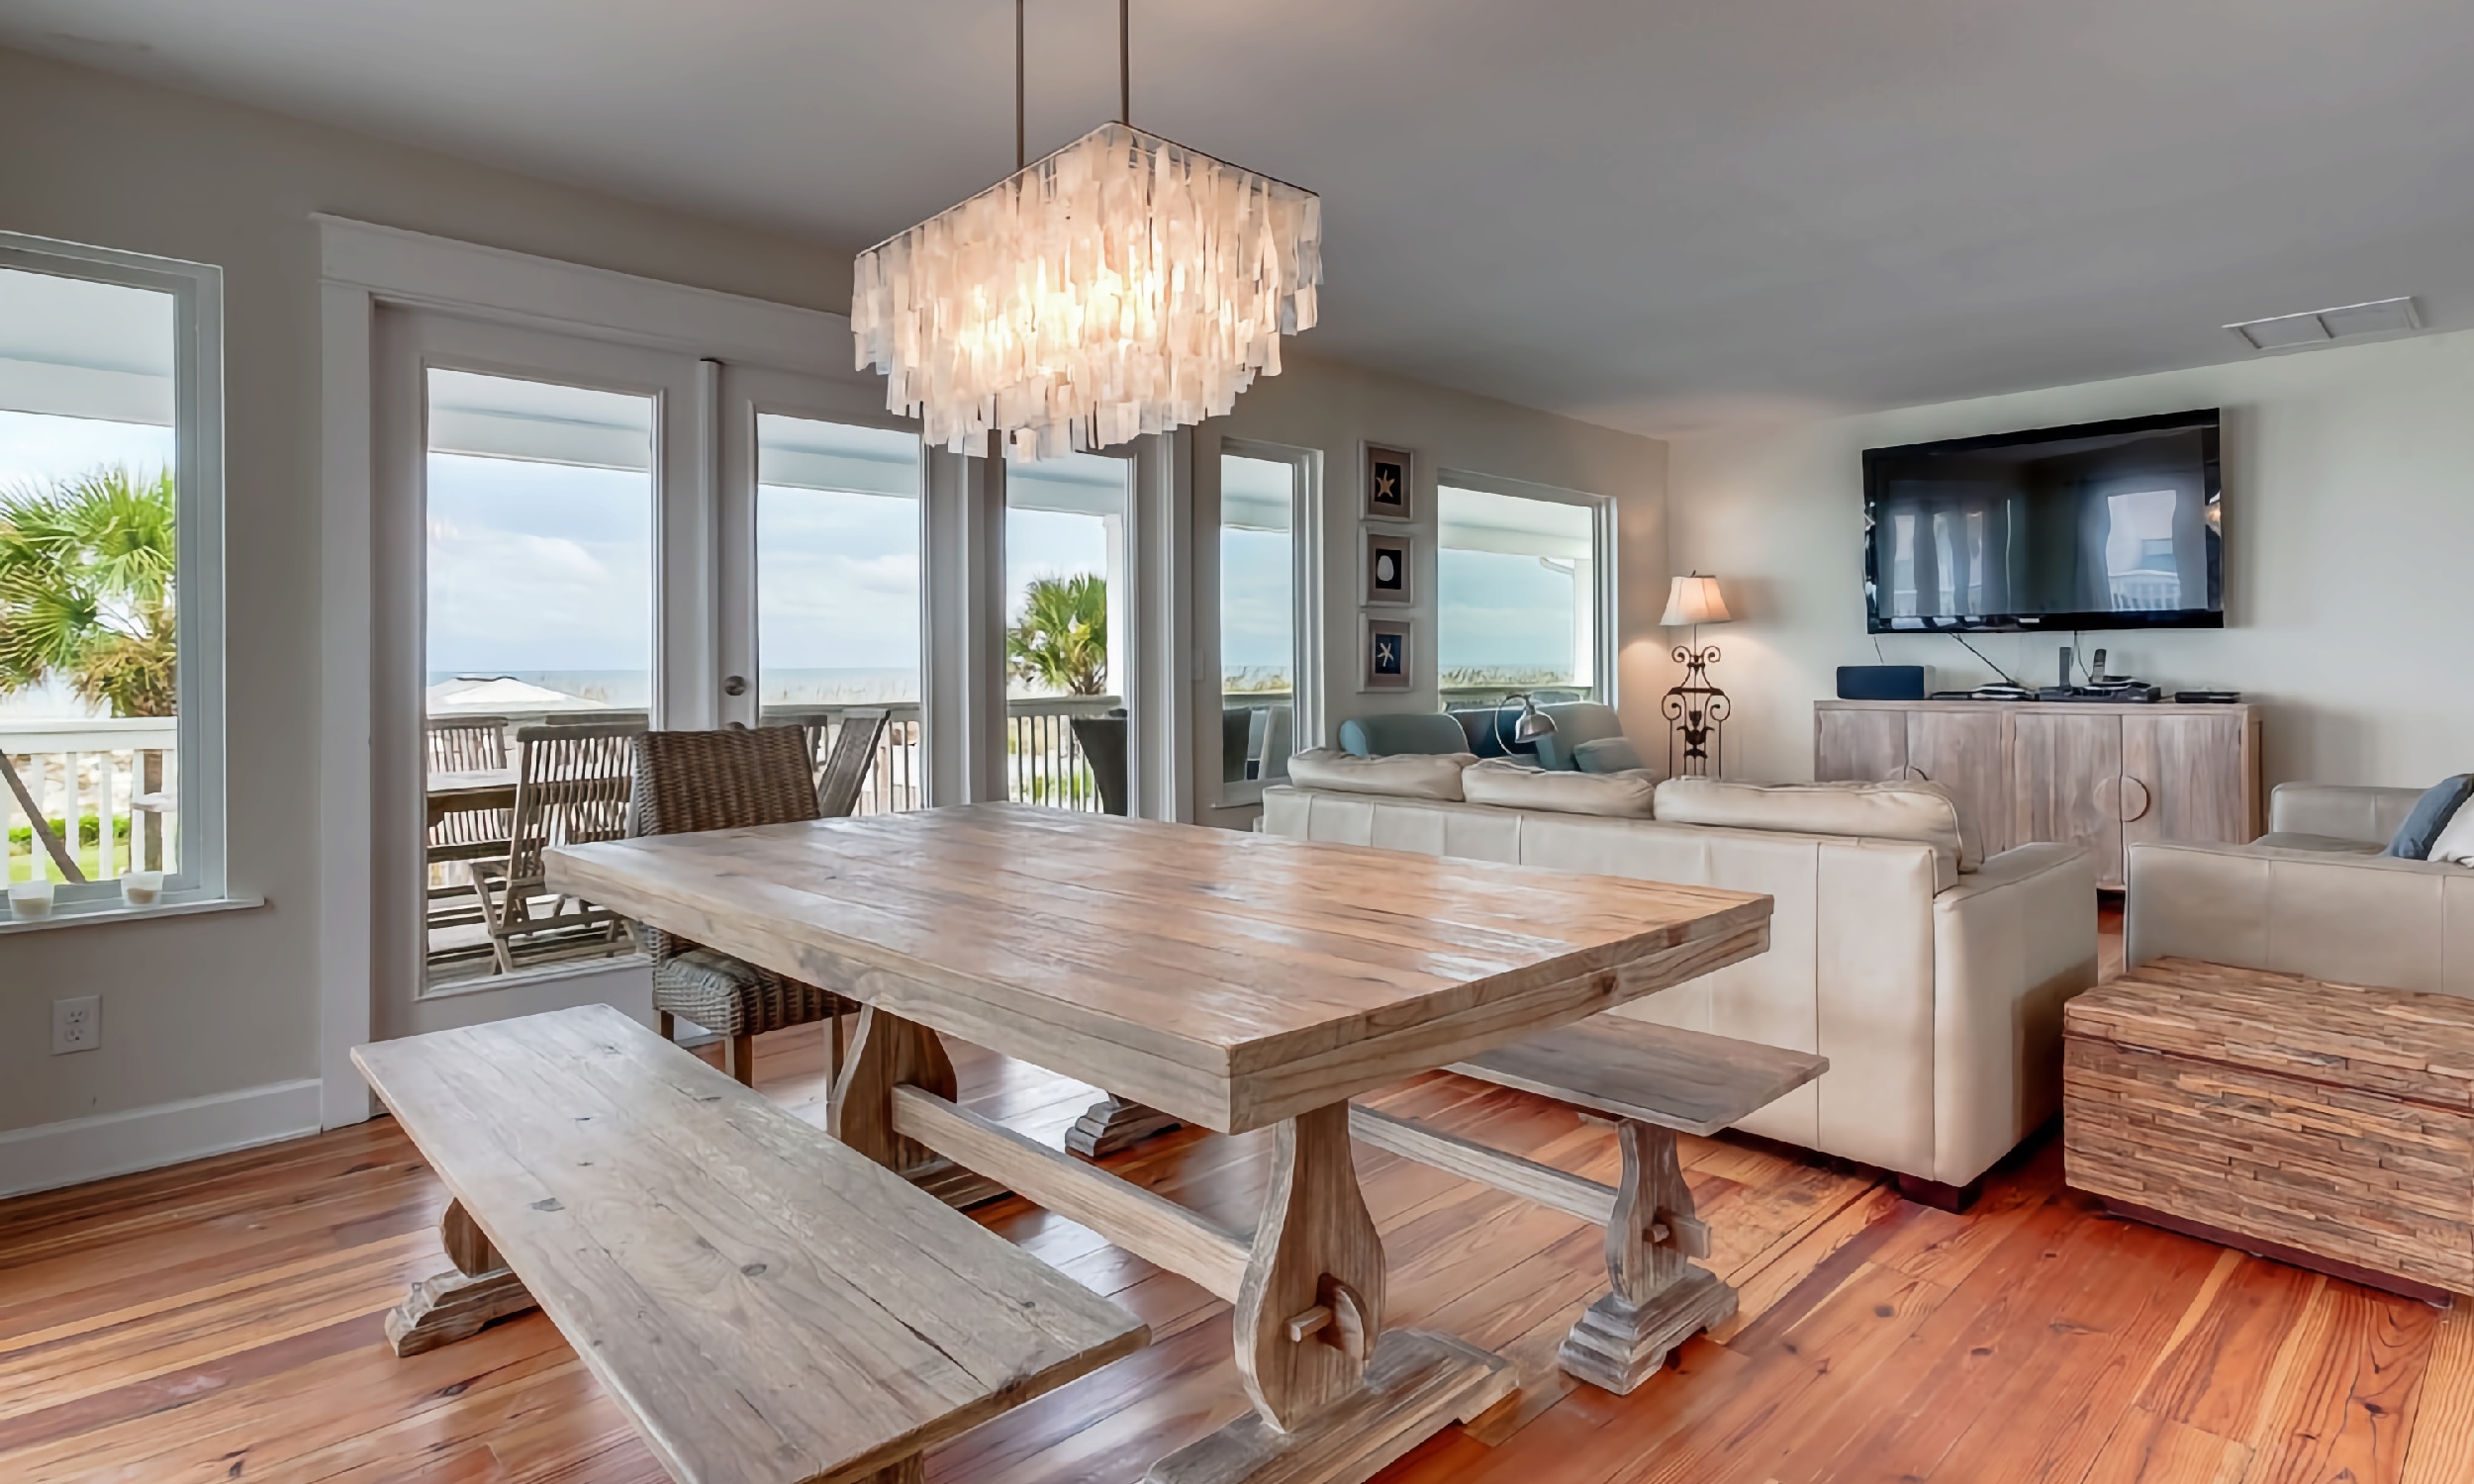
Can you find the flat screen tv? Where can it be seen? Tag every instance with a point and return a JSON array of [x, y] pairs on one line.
[[2101, 525]]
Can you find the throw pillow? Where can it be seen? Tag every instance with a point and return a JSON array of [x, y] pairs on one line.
[[2440, 804], [2455, 844], [1608, 755]]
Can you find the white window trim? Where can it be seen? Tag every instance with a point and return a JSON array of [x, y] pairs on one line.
[[361, 267], [1601, 509], [197, 290], [1306, 576]]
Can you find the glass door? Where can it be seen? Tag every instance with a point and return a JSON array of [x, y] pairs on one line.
[[544, 595], [1068, 640], [821, 572]]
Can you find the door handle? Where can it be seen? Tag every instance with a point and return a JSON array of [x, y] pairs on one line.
[[737, 684], [2135, 799]]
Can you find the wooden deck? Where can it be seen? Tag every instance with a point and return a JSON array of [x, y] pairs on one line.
[[221, 1321]]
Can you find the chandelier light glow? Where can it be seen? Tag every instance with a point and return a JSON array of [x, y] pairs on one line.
[[1123, 285]]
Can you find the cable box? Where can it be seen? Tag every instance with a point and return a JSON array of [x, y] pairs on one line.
[[2207, 698]]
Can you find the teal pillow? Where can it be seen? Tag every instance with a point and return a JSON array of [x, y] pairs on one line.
[[1607, 755], [2431, 815]]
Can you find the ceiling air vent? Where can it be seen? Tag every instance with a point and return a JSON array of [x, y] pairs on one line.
[[2380, 317]]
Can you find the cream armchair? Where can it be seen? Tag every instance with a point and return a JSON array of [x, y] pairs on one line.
[[2313, 897]]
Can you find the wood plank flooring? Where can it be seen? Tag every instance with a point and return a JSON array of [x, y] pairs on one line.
[[220, 1321]]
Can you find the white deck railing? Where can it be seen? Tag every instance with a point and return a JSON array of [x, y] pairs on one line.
[[109, 787]]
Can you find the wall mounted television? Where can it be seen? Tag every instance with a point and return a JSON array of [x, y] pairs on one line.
[[2095, 527]]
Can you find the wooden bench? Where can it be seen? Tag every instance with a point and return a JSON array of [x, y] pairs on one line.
[[1653, 1080], [764, 1304]]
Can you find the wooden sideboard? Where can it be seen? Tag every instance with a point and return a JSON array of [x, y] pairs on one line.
[[2084, 772]]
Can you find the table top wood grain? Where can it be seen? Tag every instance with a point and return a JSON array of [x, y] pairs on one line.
[[1230, 978], [764, 1303]]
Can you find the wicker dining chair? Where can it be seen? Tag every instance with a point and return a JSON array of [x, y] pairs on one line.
[[688, 782], [574, 785]]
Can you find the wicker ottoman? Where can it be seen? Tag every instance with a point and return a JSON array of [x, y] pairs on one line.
[[2321, 1125]]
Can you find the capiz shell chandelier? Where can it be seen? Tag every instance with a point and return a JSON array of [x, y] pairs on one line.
[[1123, 285]]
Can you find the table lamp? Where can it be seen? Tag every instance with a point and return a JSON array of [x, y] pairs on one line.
[[1695, 707]]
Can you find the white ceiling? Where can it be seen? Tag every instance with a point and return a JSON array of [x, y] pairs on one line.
[[1659, 216]]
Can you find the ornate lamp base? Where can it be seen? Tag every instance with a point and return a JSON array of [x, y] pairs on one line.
[[1695, 711]]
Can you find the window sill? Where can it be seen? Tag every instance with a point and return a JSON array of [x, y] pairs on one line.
[[107, 911]]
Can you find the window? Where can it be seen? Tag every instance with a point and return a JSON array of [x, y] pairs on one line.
[[1261, 659], [1522, 586], [111, 470], [1066, 638]]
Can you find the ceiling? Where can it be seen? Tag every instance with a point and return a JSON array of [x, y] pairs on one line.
[[1659, 216]]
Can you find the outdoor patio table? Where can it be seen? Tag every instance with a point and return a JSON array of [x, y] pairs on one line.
[[1234, 981]]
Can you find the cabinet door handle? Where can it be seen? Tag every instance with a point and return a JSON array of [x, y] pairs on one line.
[[2135, 799], [1915, 774]]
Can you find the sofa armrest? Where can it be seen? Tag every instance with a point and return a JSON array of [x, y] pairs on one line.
[[2349, 919], [2341, 811], [2012, 943]]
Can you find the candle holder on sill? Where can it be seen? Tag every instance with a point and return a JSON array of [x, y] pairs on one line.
[[1696, 709]]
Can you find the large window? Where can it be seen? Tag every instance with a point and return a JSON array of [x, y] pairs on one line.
[[110, 588], [1521, 593], [1261, 659], [1066, 638]]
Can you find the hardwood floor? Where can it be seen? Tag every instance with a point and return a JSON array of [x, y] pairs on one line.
[[221, 1321]]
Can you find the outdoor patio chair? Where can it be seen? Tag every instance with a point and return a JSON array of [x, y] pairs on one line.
[[735, 779], [462, 744], [573, 786], [845, 767]]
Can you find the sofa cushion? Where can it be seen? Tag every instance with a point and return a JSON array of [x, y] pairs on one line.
[[1402, 776], [1918, 811], [1608, 755], [2336, 845], [1517, 785], [1429, 732], [2432, 813]]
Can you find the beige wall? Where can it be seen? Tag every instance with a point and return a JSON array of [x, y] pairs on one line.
[[1331, 408], [2350, 519], [201, 1006]]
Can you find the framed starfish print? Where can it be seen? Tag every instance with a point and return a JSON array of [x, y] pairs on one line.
[[1387, 491], [1386, 655]]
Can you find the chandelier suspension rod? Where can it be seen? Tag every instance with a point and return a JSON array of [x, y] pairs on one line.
[[1020, 156], [1124, 69]]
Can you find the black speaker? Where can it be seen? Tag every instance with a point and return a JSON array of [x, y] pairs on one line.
[[1880, 682]]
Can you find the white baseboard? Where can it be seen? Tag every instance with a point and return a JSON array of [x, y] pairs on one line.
[[77, 1149]]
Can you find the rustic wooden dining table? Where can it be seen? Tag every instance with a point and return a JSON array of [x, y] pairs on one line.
[[1232, 981]]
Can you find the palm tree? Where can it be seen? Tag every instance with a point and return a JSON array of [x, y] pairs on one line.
[[86, 590], [1061, 641]]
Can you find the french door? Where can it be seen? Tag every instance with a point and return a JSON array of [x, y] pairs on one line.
[[578, 539]]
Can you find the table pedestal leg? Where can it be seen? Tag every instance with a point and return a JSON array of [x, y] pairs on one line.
[[1336, 1399], [455, 1305], [1658, 1299], [1112, 1124], [888, 1051]]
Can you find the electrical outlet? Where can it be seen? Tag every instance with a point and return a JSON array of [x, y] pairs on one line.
[[76, 1024]]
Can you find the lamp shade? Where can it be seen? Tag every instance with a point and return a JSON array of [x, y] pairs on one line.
[[1695, 600]]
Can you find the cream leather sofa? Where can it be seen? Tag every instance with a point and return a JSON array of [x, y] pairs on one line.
[[2313, 897], [1939, 1006]]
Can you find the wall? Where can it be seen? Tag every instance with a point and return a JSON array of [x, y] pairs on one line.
[[1331, 408], [2348, 519], [210, 1023], [223, 1007]]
